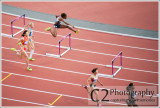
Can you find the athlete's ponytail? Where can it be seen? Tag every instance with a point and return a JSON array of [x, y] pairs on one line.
[[24, 32]]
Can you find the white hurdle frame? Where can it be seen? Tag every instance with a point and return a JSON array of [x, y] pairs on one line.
[[59, 46]]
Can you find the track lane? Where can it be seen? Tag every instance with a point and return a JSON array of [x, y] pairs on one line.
[[7, 103], [49, 96], [33, 96], [96, 47], [77, 78], [93, 58], [56, 63], [90, 35], [48, 86]]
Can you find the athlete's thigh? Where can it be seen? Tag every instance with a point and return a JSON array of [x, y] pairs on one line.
[[55, 30], [92, 88], [95, 92], [63, 26], [32, 43], [24, 53]]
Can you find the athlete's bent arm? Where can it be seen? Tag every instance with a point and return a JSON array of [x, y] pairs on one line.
[[67, 23], [89, 79], [100, 82], [20, 40]]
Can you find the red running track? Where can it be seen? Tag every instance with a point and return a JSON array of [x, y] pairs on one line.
[[143, 15], [122, 78]]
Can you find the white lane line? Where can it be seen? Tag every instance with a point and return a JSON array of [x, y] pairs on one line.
[[54, 93], [7, 36], [121, 34], [57, 81], [26, 102], [92, 40], [90, 62], [76, 72]]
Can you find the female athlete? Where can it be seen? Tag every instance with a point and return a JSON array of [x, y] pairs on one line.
[[23, 44], [58, 24], [94, 79], [31, 41]]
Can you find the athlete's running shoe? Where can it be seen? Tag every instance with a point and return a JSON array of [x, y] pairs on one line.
[[13, 49], [31, 59], [47, 29], [98, 105], [29, 69], [84, 86], [77, 31]]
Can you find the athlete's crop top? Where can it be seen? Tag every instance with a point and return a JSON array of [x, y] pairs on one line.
[[25, 41], [94, 78], [31, 32]]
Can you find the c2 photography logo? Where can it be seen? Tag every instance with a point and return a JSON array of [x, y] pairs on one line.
[[125, 95]]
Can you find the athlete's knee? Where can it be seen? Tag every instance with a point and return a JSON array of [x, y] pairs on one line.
[[29, 49], [33, 47], [27, 59], [96, 93], [68, 26]]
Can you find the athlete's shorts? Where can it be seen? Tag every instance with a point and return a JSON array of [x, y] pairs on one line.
[[91, 85], [25, 48], [57, 26]]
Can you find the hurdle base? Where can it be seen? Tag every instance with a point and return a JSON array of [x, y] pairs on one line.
[[53, 55], [18, 32], [68, 48], [110, 66], [105, 75], [117, 71], [59, 56]]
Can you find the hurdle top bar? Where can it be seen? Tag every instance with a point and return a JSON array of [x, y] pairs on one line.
[[116, 56], [65, 37], [18, 18]]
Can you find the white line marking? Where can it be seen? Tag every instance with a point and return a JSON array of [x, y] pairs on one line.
[[58, 81], [75, 72], [54, 93], [7, 35], [27, 102], [88, 62]]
